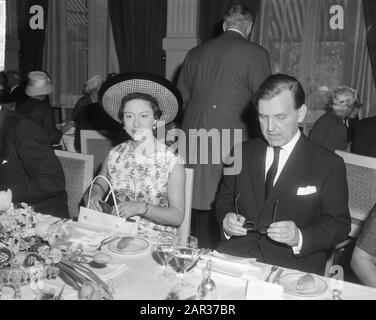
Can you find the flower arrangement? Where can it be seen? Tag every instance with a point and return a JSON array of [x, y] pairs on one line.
[[26, 255], [30, 252]]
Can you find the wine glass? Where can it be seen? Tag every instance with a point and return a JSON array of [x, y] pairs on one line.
[[185, 255], [165, 251]]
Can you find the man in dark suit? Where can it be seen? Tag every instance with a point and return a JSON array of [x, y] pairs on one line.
[[291, 192], [217, 82], [364, 142], [29, 166]]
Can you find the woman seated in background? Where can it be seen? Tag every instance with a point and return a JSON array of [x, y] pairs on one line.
[[363, 260], [148, 178], [335, 129], [90, 94]]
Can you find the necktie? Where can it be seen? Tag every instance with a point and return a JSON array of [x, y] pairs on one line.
[[270, 176]]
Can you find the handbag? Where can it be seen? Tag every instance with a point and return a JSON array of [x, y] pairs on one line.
[[99, 219]]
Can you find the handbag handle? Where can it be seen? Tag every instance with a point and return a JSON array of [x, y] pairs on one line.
[[111, 191]]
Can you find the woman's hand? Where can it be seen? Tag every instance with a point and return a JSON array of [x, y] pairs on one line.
[[130, 208], [95, 199]]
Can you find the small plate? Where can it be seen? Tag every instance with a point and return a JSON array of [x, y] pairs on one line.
[[289, 282], [138, 245]]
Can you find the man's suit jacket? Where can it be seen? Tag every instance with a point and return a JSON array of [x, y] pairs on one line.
[[364, 142], [29, 166], [322, 216], [43, 114], [217, 82]]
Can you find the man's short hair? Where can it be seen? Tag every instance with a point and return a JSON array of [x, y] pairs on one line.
[[275, 84], [238, 14]]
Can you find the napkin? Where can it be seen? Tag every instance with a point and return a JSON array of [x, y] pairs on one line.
[[231, 265], [110, 271]]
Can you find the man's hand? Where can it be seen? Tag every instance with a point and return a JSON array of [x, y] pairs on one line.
[[284, 232], [233, 224]]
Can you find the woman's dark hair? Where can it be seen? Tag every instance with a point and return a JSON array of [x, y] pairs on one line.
[[137, 95]]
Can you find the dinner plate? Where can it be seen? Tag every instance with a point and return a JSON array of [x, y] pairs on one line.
[[137, 245], [290, 280]]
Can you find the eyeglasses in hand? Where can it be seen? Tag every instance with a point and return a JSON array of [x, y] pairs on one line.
[[250, 226]]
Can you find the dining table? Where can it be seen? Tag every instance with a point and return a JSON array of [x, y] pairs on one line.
[[134, 276]]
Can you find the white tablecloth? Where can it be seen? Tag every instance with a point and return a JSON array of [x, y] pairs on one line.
[[137, 280]]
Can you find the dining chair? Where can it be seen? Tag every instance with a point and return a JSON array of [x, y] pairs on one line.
[[97, 144], [78, 172], [361, 180], [185, 228]]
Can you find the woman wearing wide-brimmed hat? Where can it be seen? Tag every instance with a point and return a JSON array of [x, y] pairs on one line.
[[147, 177]]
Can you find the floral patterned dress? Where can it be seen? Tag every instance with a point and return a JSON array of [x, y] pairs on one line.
[[139, 177]]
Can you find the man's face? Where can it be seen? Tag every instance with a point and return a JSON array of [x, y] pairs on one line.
[[279, 119]]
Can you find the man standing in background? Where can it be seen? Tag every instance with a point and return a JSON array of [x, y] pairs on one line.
[[217, 82]]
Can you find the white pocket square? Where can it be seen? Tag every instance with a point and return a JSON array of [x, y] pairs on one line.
[[4, 162], [304, 191]]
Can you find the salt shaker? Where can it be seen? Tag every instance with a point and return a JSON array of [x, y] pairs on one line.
[[336, 294], [207, 289]]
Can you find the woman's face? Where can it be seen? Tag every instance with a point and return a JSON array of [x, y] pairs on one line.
[[138, 118], [342, 111]]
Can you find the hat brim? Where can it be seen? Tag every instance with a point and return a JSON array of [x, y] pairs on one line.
[[116, 88], [35, 91]]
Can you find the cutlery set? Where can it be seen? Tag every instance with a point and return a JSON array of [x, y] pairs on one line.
[[277, 276]]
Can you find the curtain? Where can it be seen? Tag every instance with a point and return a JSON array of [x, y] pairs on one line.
[[211, 12], [55, 57], [302, 43], [138, 28], [31, 41], [75, 50], [370, 26]]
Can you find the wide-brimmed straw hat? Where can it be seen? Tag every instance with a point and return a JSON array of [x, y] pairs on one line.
[[38, 84], [116, 88]]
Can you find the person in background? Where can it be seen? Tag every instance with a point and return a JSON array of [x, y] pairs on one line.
[[90, 91], [29, 166], [335, 129], [92, 116], [147, 177], [217, 81], [16, 85], [364, 142], [36, 107], [6, 98], [289, 204], [363, 260]]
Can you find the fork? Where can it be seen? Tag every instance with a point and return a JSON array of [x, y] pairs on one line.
[[273, 269], [107, 240], [278, 276]]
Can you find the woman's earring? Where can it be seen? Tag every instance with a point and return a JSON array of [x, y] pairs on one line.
[[154, 126]]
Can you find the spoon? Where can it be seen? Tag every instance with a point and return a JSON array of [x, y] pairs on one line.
[[100, 258]]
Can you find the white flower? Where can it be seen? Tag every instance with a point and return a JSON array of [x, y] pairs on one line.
[[5, 200]]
